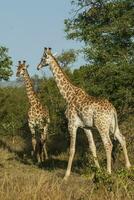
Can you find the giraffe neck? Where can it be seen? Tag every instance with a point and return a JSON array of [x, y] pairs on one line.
[[29, 89], [66, 88]]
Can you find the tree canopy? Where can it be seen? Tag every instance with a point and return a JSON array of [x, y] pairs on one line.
[[106, 27], [67, 57], [5, 64]]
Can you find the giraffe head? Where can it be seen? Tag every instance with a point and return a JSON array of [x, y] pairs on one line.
[[21, 68], [45, 59]]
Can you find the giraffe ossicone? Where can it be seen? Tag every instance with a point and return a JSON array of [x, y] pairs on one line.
[[85, 111]]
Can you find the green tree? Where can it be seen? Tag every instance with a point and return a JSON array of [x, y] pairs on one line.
[[106, 28], [67, 57], [13, 110], [5, 64]]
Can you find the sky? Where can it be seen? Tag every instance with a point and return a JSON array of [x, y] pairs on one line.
[[27, 26]]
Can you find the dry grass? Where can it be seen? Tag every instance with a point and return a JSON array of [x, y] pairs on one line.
[[20, 181]]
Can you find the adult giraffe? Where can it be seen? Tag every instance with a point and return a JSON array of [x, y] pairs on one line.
[[38, 116], [85, 111]]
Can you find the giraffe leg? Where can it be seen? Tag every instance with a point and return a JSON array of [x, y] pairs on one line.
[[72, 131], [103, 126], [44, 138], [41, 153], [44, 155], [45, 152], [108, 148], [92, 146], [38, 152], [34, 142], [122, 141]]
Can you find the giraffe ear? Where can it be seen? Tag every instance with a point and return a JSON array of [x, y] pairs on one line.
[[27, 66]]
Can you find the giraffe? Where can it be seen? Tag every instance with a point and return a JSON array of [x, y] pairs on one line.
[[38, 116], [85, 111]]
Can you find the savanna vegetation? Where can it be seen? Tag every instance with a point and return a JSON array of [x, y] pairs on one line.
[[106, 29]]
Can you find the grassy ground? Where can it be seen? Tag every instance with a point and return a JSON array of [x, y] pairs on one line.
[[21, 180]]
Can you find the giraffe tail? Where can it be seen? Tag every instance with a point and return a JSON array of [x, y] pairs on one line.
[[115, 141], [115, 124]]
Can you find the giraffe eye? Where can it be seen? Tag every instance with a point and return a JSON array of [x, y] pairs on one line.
[[23, 70]]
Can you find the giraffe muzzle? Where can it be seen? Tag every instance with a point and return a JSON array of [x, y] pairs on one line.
[[38, 66]]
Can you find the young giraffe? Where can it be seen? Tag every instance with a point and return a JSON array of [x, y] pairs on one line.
[[38, 116], [85, 111]]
